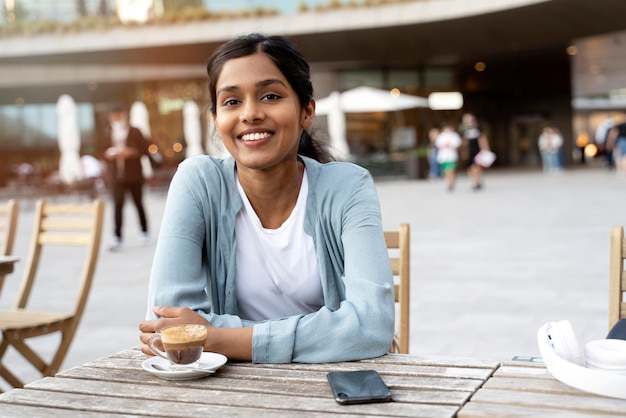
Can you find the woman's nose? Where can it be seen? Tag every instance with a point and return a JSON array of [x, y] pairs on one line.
[[251, 111]]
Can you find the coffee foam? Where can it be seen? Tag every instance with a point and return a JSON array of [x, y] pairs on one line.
[[178, 334]]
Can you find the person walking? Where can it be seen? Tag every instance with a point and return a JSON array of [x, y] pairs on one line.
[[550, 143], [616, 141], [433, 165], [448, 143], [476, 142], [124, 146]]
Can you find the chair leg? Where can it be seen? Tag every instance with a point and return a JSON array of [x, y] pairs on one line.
[[27, 352], [66, 339], [6, 373]]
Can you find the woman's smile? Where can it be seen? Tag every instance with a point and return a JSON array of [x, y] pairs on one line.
[[255, 136]]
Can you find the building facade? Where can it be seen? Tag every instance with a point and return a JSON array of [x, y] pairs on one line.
[[519, 64]]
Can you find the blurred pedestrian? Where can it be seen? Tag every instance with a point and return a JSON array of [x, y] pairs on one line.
[[617, 142], [448, 143], [433, 166], [476, 142], [123, 148], [550, 143], [601, 135]]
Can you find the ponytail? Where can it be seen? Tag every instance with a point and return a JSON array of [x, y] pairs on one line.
[[313, 148]]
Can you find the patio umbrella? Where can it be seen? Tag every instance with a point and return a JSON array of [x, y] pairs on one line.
[[191, 129], [368, 99], [69, 140], [214, 145], [337, 128], [359, 100], [140, 119]]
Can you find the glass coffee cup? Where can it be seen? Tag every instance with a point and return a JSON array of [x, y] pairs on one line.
[[183, 344]]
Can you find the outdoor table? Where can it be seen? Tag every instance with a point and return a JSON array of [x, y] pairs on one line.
[[7, 264], [429, 386], [421, 386], [520, 388]]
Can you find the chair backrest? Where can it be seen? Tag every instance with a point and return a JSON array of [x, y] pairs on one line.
[[617, 278], [8, 226], [400, 240], [65, 225]]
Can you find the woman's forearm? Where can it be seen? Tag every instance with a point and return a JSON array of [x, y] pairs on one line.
[[234, 343]]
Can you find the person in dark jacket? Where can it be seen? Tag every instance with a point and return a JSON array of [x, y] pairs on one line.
[[123, 148]]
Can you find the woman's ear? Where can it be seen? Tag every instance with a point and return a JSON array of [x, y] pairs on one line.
[[308, 114]]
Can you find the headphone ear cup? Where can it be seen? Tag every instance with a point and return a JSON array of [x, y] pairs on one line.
[[564, 342]]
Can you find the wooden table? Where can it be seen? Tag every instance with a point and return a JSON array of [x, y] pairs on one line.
[[527, 389], [432, 386], [421, 387], [7, 264]]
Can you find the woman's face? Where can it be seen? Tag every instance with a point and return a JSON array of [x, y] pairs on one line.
[[257, 113]]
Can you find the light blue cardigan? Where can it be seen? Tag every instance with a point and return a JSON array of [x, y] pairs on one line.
[[194, 263]]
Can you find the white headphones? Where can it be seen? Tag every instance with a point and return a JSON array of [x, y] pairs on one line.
[[600, 369]]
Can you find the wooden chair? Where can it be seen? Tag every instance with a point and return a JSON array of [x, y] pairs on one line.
[[400, 240], [66, 225], [617, 278], [8, 227]]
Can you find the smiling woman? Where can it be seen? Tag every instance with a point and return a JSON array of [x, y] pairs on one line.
[[278, 250]]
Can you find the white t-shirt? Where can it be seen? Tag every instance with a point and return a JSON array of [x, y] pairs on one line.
[[447, 143], [277, 272]]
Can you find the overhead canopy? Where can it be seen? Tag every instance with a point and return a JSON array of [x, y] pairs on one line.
[[368, 99]]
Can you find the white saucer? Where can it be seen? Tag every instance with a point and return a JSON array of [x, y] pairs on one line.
[[209, 363]]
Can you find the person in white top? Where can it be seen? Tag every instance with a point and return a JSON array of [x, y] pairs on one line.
[[278, 250], [448, 143], [550, 143]]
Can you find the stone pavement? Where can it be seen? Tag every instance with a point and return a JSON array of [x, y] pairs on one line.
[[488, 268]]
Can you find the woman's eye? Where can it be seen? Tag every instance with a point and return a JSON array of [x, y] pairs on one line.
[[229, 102], [270, 96]]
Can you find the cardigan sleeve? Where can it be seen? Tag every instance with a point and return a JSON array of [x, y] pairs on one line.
[[183, 270]]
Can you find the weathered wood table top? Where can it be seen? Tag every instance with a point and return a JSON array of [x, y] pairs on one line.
[[431, 386], [523, 389]]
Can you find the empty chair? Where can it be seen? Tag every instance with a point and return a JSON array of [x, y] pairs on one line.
[[617, 284], [8, 227], [398, 242], [66, 225]]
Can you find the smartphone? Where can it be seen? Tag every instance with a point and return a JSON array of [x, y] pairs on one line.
[[360, 386]]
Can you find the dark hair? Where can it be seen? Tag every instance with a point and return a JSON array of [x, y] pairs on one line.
[[291, 64]]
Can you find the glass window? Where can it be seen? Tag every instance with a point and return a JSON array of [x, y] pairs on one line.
[[10, 122], [439, 77], [33, 125], [405, 80], [358, 78]]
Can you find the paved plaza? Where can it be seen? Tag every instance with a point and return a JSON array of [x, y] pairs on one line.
[[488, 268]]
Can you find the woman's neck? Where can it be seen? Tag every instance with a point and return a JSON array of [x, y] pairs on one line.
[[273, 194]]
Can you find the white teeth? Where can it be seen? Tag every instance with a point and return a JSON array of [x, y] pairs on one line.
[[255, 136]]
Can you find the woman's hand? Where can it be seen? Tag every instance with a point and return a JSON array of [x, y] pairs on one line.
[[234, 343], [169, 315]]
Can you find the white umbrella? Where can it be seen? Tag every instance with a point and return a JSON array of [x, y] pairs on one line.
[[214, 146], [368, 99], [191, 129], [337, 128], [69, 140], [139, 117]]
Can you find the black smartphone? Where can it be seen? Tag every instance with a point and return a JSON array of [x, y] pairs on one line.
[[360, 386]]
